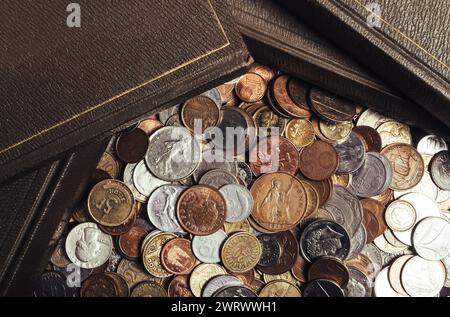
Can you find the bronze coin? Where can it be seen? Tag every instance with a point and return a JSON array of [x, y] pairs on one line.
[[130, 242], [200, 108], [227, 93], [177, 256], [298, 91], [179, 287], [289, 251], [330, 107], [300, 269], [318, 161], [371, 224], [370, 137], [201, 210], [251, 87], [378, 209], [385, 198], [252, 108], [283, 99], [274, 154], [121, 229], [121, 284], [329, 268], [323, 188], [264, 71], [99, 285], [150, 125], [132, 146], [246, 277]]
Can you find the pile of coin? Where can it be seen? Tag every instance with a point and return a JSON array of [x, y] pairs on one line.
[[303, 194]]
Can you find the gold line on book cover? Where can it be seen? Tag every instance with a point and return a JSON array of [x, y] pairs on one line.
[[106, 102]]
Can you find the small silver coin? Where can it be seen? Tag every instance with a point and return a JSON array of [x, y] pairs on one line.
[[431, 144], [161, 208], [144, 181], [431, 238], [87, 246], [359, 285], [235, 291], [400, 215], [357, 242], [218, 178], [219, 282], [214, 95], [167, 113], [351, 154], [322, 288], [270, 250], [239, 202], [373, 253], [440, 169], [215, 159], [423, 278], [128, 180], [244, 172], [382, 286], [389, 236], [207, 248]]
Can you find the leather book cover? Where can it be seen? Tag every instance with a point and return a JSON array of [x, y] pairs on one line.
[[62, 87], [406, 43]]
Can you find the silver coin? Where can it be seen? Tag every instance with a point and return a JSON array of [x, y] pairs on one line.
[[218, 178], [167, 113], [388, 258], [218, 282], [372, 119], [144, 181], [446, 262], [244, 172], [394, 132], [270, 250], [214, 95], [351, 154], [359, 285], [426, 186], [374, 177], [440, 169], [215, 160], [423, 278], [174, 121], [443, 196], [235, 291], [87, 246], [400, 215], [431, 238], [385, 246], [389, 236], [431, 144], [373, 253], [382, 286], [173, 153], [114, 261], [128, 180], [394, 274], [424, 206], [239, 202], [346, 208], [207, 248], [161, 208], [357, 242]]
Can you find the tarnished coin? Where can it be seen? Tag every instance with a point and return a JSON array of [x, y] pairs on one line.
[[407, 165], [400, 215], [392, 132], [125, 226], [109, 164], [202, 109], [370, 137], [431, 144], [152, 254], [201, 210], [219, 282], [122, 287], [251, 87], [150, 125], [177, 256], [53, 284], [280, 288], [300, 132], [128, 180], [270, 250], [431, 238], [423, 278], [59, 257], [241, 252], [329, 268], [234, 291], [87, 246], [173, 153], [202, 274], [440, 169], [131, 146], [372, 119], [99, 285], [207, 248], [214, 160], [179, 287], [335, 131], [351, 154], [133, 272], [331, 107], [214, 95], [324, 238], [357, 242], [284, 100], [161, 207], [289, 251], [322, 288], [218, 178], [318, 161], [148, 289], [394, 274], [167, 113], [312, 199], [359, 284], [382, 287], [239, 202], [266, 118], [279, 201], [110, 203], [144, 181]]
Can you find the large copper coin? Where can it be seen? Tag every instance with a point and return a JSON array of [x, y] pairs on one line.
[[331, 107], [298, 91], [329, 268], [318, 161], [200, 108], [371, 224], [407, 165], [132, 146], [177, 256], [370, 137], [99, 285], [279, 201], [378, 209], [130, 242], [274, 154], [283, 99], [251, 87], [179, 287], [323, 188], [385, 198], [289, 251], [312, 198], [201, 210], [262, 70]]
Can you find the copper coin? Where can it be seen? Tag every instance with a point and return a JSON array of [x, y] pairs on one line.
[[246, 277], [99, 285], [312, 198], [407, 165], [280, 201], [378, 209], [371, 224], [300, 269], [201, 210], [385, 198], [179, 287], [274, 154], [132, 146], [264, 71], [200, 108], [150, 125], [251, 87], [121, 284], [177, 256], [289, 251], [283, 99], [318, 161], [130, 242], [323, 188], [329, 268], [330, 107], [253, 107], [227, 93], [298, 91], [370, 137]]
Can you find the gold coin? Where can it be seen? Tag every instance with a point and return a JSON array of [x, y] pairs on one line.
[[109, 164], [394, 132], [202, 274], [148, 289], [266, 118], [229, 227], [241, 252], [323, 214], [286, 276], [312, 199], [335, 131], [343, 180], [152, 254], [300, 132], [110, 203], [280, 289]]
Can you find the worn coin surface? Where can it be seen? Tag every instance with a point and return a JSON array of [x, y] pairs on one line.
[[177, 256], [298, 91], [392, 132], [359, 284], [131, 146], [351, 154], [144, 181], [218, 178], [179, 287], [318, 161], [300, 132], [239, 202], [331, 107], [329, 268], [431, 144], [284, 100], [289, 251], [99, 285], [122, 287], [431, 238], [400, 215], [201, 274], [219, 282], [251, 87], [357, 242], [207, 248], [335, 131], [440, 169], [148, 289], [423, 278], [152, 254], [241, 252], [370, 137], [133, 272], [322, 288], [280, 288], [204, 110]]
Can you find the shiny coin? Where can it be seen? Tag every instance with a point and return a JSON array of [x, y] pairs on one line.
[[179, 287], [244, 172], [385, 246], [359, 285], [329, 268], [400, 215], [144, 181], [148, 289], [394, 132], [270, 250], [177, 256], [161, 207], [351, 154], [150, 125], [370, 137], [394, 274], [440, 169], [331, 107], [218, 178], [280, 289], [219, 282], [300, 132], [239, 202], [385, 198], [202, 274], [423, 278], [283, 99], [318, 161], [371, 225], [251, 87], [286, 276], [390, 237], [99, 285], [382, 287], [266, 118], [128, 180], [265, 72], [131, 146], [152, 254], [173, 153], [204, 110], [431, 144], [335, 131], [289, 251], [322, 288], [431, 238], [372, 119], [241, 252], [343, 180], [229, 227], [109, 164], [207, 248], [130, 242], [235, 291], [214, 160]]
